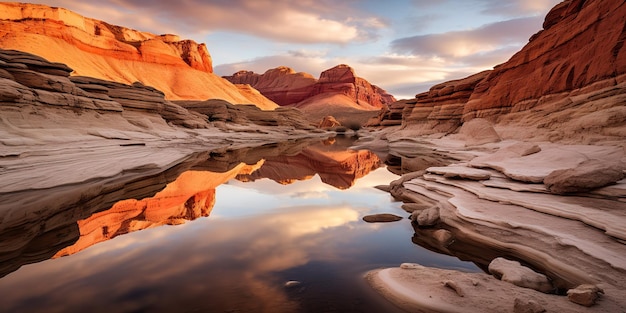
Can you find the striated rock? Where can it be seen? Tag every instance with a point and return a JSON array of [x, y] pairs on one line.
[[182, 69], [585, 295], [460, 172], [287, 87], [516, 274], [514, 162], [382, 218], [218, 110], [586, 176]]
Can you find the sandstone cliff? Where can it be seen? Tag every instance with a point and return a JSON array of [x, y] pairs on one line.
[[285, 86], [568, 83], [182, 69]]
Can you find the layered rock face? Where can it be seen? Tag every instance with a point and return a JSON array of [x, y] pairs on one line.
[[182, 69], [29, 80], [580, 45], [285, 86], [567, 83], [437, 110]]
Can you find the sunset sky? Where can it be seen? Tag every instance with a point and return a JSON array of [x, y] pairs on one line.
[[403, 46]]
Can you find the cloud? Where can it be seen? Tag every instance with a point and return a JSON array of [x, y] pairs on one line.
[[517, 8], [510, 8], [458, 44], [305, 22]]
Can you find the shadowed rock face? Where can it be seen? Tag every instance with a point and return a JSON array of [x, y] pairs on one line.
[[182, 69], [286, 87]]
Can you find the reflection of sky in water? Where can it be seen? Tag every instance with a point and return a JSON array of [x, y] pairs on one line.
[[258, 236]]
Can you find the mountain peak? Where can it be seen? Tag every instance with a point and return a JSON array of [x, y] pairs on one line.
[[285, 86]]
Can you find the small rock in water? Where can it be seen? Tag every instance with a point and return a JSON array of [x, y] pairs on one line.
[[381, 218], [292, 283], [585, 295]]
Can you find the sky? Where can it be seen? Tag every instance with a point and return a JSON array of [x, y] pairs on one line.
[[403, 46]]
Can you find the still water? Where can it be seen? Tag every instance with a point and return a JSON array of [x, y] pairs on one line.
[[226, 236]]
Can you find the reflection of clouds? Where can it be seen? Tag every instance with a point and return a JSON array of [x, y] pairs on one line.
[[310, 195], [217, 261]]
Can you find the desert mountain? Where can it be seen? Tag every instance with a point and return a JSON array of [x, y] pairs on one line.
[[568, 82], [182, 69], [338, 86]]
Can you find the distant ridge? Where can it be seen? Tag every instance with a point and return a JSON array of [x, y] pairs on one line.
[[338, 86]]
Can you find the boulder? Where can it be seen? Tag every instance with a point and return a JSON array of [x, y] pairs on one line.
[[522, 276], [585, 295], [588, 175]]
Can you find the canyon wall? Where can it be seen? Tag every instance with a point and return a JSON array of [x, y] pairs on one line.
[[181, 69], [568, 82]]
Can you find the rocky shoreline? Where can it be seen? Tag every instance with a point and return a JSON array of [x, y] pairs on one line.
[[502, 199]]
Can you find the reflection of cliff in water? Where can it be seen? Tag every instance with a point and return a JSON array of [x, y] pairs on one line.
[[69, 219], [190, 196], [335, 165]]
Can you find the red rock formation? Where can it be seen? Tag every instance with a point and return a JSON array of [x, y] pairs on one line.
[[182, 69], [286, 87], [282, 84], [565, 82], [581, 44]]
